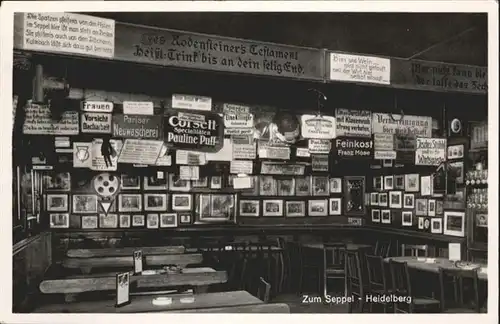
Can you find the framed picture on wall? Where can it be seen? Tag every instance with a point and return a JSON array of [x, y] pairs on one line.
[[295, 208], [354, 196], [399, 182], [454, 223], [215, 182], [168, 220], [124, 221], [303, 186], [378, 183], [60, 220], [249, 208], [185, 218], [89, 221], [431, 207], [335, 206], [286, 187], [155, 183], [395, 199], [383, 200], [221, 207], [320, 186], [254, 191], [412, 182], [84, 204], [374, 198], [426, 186], [200, 183], [108, 221], [375, 215], [409, 201], [335, 185], [421, 223], [138, 220], [407, 218], [177, 184], [181, 202], [317, 207], [272, 207], [421, 207], [57, 181], [130, 182], [386, 216], [268, 186], [129, 202], [155, 202], [57, 202], [153, 221], [389, 182], [455, 152], [386, 163], [427, 223], [437, 225]]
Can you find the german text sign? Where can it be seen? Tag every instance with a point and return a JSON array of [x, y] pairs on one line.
[[353, 122], [353, 147], [38, 121], [96, 123], [358, 68], [430, 151], [322, 127], [395, 124], [137, 126]]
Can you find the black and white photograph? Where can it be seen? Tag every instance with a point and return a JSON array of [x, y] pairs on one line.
[[256, 153]]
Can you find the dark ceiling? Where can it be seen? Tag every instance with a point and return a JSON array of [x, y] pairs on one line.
[[452, 37]]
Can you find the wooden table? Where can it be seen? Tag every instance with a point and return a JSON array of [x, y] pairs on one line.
[[113, 274], [415, 263], [127, 251], [349, 246], [143, 304]]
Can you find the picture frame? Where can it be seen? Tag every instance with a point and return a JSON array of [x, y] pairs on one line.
[[412, 182], [286, 187], [267, 186], [130, 182], [426, 186], [303, 186], [215, 182], [335, 207], [254, 191], [249, 208], [272, 207], [455, 152], [395, 199], [374, 198], [122, 289], [182, 202], [375, 215], [439, 207], [57, 202], [89, 221], [59, 220], [202, 182], [399, 182], [456, 171], [138, 220], [295, 208], [378, 183], [168, 220], [431, 205], [335, 185], [407, 218], [389, 182], [420, 223], [387, 163], [454, 223], [317, 207], [153, 221], [383, 199], [129, 202], [222, 207], [84, 204], [437, 225], [125, 221], [108, 220], [152, 182], [385, 216], [155, 202], [57, 181], [408, 201], [185, 218], [320, 186], [175, 183], [421, 207], [354, 196], [427, 224]]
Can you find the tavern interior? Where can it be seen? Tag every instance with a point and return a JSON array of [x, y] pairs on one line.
[[266, 260]]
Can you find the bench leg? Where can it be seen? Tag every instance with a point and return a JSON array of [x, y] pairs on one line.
[[70, 298]]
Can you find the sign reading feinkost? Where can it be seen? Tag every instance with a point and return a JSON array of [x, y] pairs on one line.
[[137, 126], [196, 131], [354, 147]]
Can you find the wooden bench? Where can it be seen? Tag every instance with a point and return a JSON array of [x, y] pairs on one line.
[[86, 264], [113, 274], [259, 308], [144, 304], [116, 252]]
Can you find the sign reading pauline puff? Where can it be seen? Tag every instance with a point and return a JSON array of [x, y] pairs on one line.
[[196, 131]]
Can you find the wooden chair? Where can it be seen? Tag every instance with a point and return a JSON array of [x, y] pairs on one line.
[[377, 283], [414, 250], [309, 265], [264, 290], [401, 285], [333, 263], [385, 249], [354, 280], [458, 299]]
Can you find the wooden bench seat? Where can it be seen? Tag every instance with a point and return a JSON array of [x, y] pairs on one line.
[[127, 251]]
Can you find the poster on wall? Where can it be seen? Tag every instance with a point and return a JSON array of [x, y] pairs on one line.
[[315, 126], [63, 32], [96, 123], [353, 147], [38, 121], [237, 116], [244, 147], [383, 142], [138, 108], [140, 151], [319, 146], [99, 162], [430, 151], [201, 131], [137, 126], [407, 125], [360, 68], [82, 155], [353, 122], [191, 102], [267, 151]]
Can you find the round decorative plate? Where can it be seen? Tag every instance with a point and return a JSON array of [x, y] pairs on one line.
[[106, 184]]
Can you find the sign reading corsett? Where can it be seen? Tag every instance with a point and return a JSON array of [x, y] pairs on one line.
[[203, 132]]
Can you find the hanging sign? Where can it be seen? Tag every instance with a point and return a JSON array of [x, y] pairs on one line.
[[190, 102], [320, 162], [313, 126], [138, 108], [189, 172], [61, 141], [302, 152], [241, 167], [239, 131], [137, 126], [430, 151], [244, 147], [190, 158], [38, 121], [319, 146], [237, 116], [395, 124], [97, 106], [358, 68], [267, 151], [353, 122], [385, 155], [140, 151], [204, 133], [282, 168], [383, 142], [353, 147], [63, 32], [99, 163], [96, 123]]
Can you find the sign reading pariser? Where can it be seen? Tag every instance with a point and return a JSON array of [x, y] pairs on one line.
[[137, 126], [201, 131]]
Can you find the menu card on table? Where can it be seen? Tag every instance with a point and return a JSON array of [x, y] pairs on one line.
[[137, 262], [454, 251], [122, 289]]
